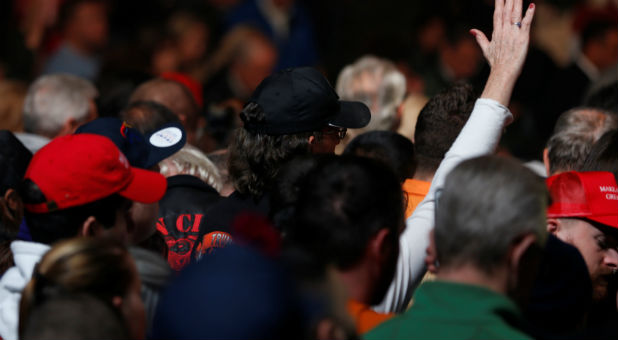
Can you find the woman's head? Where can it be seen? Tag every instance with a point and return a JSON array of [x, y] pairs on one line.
[[92, 266]]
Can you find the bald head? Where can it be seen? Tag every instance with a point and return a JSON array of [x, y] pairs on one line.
[[175, 97]]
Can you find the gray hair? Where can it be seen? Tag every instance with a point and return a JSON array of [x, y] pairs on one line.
[[386, 96], [191, 161], [53, 99], [575, 132], [485, 205]]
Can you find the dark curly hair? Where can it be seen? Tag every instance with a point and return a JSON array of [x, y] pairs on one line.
[[255, 158]]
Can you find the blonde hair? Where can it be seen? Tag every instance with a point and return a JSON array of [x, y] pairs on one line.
[[97, 267], [191, 161]]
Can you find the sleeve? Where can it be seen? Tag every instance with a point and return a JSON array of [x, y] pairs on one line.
[[479, 136]]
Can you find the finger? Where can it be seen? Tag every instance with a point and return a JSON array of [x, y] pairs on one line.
[[498, 14], [527, 21], [507, 15], [517, 10], [481, 39]]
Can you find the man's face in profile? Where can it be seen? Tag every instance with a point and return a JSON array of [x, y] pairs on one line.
[[598, 247], [327, 139]]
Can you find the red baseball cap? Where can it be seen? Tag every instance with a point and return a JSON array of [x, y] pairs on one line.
[[189, 83], [77, 169], [592, 195]]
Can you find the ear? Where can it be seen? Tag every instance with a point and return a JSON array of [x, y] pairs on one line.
[[518, 248], [311, 139], [13, 201], [12, 207], [117, 301], [312, 142], [431, 259], [553, 226], [381, 244], [69, 126], [546, 160], [327, 329], [90, 227]]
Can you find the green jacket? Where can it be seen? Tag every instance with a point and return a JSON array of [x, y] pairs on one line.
[[448, 310]]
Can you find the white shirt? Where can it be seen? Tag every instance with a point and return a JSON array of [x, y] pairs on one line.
[[478, 137], [25, 255]]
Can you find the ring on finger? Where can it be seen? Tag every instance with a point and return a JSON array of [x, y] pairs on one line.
[[518, 24]]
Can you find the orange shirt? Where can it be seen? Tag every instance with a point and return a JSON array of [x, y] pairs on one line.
[[416, 191], [364, 317]]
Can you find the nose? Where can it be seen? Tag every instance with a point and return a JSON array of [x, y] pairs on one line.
[[611, 259]]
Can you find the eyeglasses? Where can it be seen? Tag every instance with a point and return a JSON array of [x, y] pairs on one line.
[[331, 130]]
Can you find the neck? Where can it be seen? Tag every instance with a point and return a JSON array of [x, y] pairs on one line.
[[354, 280], [421, 175], [469, 274]]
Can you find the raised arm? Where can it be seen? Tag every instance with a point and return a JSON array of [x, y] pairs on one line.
[[505, 53]]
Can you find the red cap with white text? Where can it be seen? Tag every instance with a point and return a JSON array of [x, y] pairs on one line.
[[592, 195]]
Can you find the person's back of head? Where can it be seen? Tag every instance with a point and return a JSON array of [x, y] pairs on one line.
[[389, 147], [286, 190], [291, 113], [81, 185], [147, 116], [50, 227], [57, 104], [254, 158], [101, 268], [174, 96], [574, 134], [235, 293], [74, 316], [439, 124], [378, 84], [487, 205], [603, 154], [345, 204]]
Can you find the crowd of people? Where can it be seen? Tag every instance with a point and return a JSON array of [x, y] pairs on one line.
[[235, 193]]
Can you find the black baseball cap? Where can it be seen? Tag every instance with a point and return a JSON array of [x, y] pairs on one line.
[[141, 151], [301, 100]]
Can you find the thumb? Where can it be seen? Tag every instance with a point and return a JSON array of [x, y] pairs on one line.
[[481, 39]]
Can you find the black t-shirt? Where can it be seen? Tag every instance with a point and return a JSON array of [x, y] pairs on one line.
[[220, 218], [182, 216]]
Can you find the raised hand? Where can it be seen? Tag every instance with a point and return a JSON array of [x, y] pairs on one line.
[[506, 52]]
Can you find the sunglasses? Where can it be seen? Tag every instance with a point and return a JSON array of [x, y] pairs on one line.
[[331, 130]]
